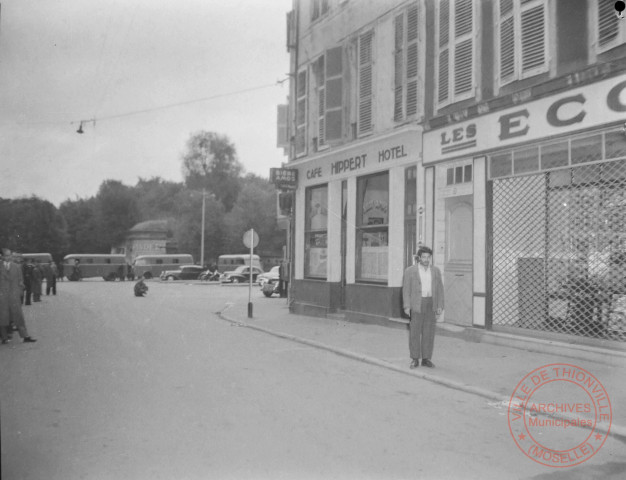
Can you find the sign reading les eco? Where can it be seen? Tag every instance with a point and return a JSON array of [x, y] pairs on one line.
[[586, 107]]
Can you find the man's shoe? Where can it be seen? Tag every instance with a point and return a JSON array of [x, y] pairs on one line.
[[29, 340], [415, 364], [427, 363]]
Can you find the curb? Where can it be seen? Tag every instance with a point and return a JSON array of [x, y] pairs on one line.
[[616, 431]]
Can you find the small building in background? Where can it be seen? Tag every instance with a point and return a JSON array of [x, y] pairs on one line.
[[151, 237]]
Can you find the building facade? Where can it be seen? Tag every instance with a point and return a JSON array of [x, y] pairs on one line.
[[492, 131]]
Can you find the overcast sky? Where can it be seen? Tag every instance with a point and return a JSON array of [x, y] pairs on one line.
[[62, 61]]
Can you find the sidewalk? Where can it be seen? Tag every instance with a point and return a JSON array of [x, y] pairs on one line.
[[485, 369]]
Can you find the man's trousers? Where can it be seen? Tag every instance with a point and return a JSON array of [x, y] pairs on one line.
[[422, 331]]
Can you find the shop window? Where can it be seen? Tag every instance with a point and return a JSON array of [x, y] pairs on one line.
[[526, 160], [611, 30], [555, 155], [316, 232], [501, 165], [455, 51], [372, 222], [615, 144], [587, 149], [406, 64], [522, 35]]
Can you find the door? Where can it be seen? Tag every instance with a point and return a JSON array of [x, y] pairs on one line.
[[458, 260], [344, 222]]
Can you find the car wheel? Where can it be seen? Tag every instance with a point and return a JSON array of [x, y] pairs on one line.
[[267, 294], [171, 277]]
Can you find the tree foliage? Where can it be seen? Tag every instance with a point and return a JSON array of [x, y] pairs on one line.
[[210, 162]]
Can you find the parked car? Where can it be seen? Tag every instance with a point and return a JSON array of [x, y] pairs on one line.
[[272, 274], [185, 272], [271, 287], [240, 275]]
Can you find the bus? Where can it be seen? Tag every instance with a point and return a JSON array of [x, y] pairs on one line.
[[37, 257], [150, 266], [107, 266], [227, 263]]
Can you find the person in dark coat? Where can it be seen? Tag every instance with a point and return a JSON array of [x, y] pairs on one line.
[[141, 288], [27, 274], [51, 273], [37, 281], [11, 287]]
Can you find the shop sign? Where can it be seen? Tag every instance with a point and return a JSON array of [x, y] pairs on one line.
[[578, 109], [362, 160], [284, 178]]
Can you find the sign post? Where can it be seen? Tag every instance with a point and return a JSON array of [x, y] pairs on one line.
[[251, 240]]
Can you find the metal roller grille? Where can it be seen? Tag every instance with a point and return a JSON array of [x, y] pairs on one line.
[[559, 251]]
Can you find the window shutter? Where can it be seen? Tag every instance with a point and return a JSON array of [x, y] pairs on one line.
[[464, 49], [444, 54], [321, 101], [507, 49], [411, 61], [398, 113], [365, 82], [608, 23], [533, 38], [334, 94], [301, 113], [282, 120]]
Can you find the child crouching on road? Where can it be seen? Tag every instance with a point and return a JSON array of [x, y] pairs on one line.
[[141, 288]]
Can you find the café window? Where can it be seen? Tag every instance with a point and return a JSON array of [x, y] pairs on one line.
[[372, 224], [316, 232]]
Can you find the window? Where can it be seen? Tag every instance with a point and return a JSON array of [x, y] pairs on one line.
[[406, 65], [301, 89], [522, 37], [455, 52], [316, 232], [611, 30], [365, 81], [461, 174], [319, 8], [372, 222], [176, 260], [159, 261]]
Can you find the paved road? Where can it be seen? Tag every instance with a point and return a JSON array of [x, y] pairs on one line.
[[119, 387]]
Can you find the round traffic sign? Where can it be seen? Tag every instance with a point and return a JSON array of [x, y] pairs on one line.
[[250, 237]]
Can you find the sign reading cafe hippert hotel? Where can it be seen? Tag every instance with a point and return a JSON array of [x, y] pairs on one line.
[[593, 105], [366, 158]]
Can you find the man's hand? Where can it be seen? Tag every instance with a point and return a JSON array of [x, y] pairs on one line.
[[407, 311]]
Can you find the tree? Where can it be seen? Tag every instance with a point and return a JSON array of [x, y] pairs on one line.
[[82, 228], [32, 225], [255, 208], [116, 212], [157, 198], [211, 163]]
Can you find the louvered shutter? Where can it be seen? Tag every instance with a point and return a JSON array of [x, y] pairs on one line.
[[464, 47], [398, 113], [444, 52], [334, 93], [321, 101], [365, 82], [507, 49], [608, 23], [301, 89], [411, 61], [533, 39], [282, 121]]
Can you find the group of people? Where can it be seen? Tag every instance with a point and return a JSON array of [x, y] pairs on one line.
[[33, 273], [13, 291]]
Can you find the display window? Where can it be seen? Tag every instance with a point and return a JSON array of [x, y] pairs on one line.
[[316, 232], [372, 228]]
